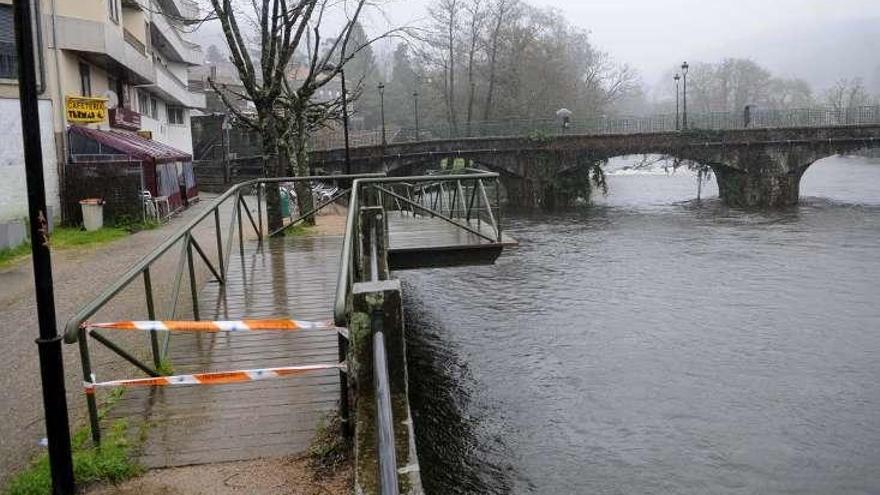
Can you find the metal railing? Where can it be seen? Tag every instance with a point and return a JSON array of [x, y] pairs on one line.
[[190, 250], [413, 195], [460, 199], [601, 125]]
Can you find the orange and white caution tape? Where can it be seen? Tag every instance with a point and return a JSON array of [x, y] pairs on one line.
[[214, 326], [214, 378]]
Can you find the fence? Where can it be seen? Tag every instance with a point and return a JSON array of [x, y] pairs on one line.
[[118, 183], [190, 252], [599, 125], [219, 175]]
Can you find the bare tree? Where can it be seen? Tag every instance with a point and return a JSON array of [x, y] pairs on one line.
[[442, 43], [500, 11], [474, 9], [281, 28], [846, 94]]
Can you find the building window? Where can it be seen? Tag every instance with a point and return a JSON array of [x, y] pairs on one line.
[[154, 108], [143, 102], [114, 10], [8, 59], [85, 79], [175, 115]]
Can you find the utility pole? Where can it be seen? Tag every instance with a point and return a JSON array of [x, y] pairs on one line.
[[684, 117], [49, 342], [416, 112], [677, 118], [382, 112]]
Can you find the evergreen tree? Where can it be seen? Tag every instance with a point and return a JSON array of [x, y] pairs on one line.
[[399, 103]]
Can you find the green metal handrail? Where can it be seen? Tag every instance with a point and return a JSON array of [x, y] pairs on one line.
[[345, 277], [73, 325], [75, 328]]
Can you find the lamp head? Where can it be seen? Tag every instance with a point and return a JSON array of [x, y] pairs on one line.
[[684, 68]]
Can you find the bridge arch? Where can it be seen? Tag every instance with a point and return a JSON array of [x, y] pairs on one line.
[[753, 167]]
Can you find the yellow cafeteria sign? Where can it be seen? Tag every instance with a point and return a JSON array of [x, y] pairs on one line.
[[82, 110]]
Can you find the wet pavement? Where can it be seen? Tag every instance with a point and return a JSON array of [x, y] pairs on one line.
[[79, 276]]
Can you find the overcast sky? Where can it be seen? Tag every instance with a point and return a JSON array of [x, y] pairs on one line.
[[653, 35], [818, 40]]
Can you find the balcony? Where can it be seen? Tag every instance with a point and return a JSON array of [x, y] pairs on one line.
[[181, 8], [173, 90], [107, 46], [135, 43], [167, 39]]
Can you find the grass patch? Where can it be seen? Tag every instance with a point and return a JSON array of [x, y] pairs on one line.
[[112, 462], [165, 367], [76, 237], [299, 229], [70, 237], [10, 256], [330, 448], [109, 462]]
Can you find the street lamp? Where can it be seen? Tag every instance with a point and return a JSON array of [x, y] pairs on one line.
[[684, 115], [677, 78], [416, 111], [331, 68], [382, 111]]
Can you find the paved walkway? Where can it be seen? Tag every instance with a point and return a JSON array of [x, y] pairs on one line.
[[293, 277], [79, 275]]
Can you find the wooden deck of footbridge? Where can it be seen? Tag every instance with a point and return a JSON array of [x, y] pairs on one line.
[[284, 277]]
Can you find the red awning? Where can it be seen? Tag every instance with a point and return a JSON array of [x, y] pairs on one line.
[[134, 145]]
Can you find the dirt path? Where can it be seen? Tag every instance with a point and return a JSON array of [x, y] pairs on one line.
[[79, 275], [262, 477]]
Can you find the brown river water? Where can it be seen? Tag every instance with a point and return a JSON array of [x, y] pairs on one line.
[[650, 344]]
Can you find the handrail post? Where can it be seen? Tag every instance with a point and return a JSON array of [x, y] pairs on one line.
[[88, 377], [471, 202], [193, 288], [492, 220], [219, 236], [260, 211], [344, 405], [460, 192], [240, 225], [387, 465], [498, 205], [151, 315]]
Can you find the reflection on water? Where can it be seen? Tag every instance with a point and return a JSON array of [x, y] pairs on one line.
[[651, 344]]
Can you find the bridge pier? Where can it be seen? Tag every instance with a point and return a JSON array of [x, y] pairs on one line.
[[743, 190], [758, 177], [547, 179]]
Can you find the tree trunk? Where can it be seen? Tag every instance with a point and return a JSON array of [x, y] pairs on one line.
[[300, 164], [272, 167]]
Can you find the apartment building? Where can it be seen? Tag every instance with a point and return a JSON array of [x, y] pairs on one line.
[[132, 55]]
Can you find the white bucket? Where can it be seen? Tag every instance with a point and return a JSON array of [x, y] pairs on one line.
[[93, 214]]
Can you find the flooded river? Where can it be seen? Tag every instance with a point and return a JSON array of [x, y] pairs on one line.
[[653, 345]]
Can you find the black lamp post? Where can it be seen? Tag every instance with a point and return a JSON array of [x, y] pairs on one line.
[[677, 121], [382, 111], [684, 115], [416, 112], [49, 342]]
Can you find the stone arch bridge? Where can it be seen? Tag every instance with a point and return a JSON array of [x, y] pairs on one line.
[[754, 167]]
